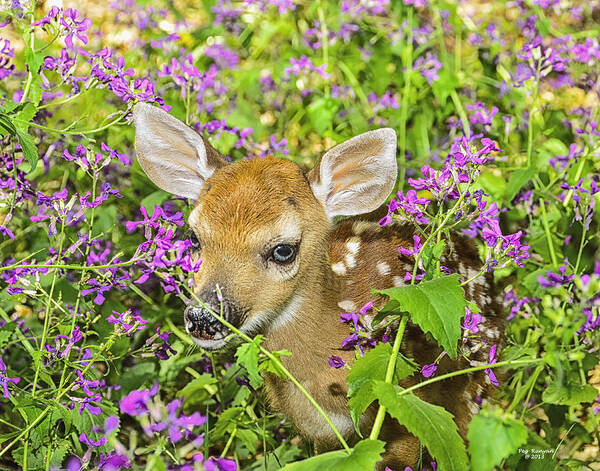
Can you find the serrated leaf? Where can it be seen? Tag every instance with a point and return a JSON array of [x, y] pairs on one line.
[[26, 114], [431, 424], [58, 455], [437, 306], [363, 456], [493, 437], [247, 355], [372, 366]]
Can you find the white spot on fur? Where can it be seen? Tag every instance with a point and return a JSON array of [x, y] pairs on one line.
[[339, 268], [353, 245], [383, 268], [397, 280], [347, 305], [350, 260]]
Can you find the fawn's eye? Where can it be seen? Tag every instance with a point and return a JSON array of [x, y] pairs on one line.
[[284, 253], [193, 240]]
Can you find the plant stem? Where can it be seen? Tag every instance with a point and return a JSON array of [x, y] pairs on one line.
[[569, 194], [325, 43], [75, 133], [389, 376], [469, 370], [27, 88], [547, 231], [461, 113], [86, 253], [407, 63], [533, 381], [47, 313]]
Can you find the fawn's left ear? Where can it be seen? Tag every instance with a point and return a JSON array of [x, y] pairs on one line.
[[357, 176], [173, 155]]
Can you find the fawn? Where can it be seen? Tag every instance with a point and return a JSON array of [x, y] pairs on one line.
[[265, 233]]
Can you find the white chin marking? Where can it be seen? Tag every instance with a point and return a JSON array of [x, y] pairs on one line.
[[210, 344]]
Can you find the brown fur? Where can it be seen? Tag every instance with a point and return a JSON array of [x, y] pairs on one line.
[[247, 209], [231, 216]]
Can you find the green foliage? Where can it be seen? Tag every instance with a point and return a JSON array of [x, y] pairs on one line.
[[503, 436], [431, 424], [437, 306], [367, 370], [363, 456]]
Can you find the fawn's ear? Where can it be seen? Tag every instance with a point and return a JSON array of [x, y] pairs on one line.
[[173, 155], [357, 176]]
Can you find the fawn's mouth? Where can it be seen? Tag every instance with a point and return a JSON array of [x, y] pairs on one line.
[[206, 331]]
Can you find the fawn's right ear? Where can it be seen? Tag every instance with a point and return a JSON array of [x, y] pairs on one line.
[[173, 155]]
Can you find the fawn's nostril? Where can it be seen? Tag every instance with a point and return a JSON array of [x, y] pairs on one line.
[[200, 323]]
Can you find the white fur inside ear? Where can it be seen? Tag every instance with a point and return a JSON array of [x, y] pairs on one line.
[[357, 176], [172, 154]]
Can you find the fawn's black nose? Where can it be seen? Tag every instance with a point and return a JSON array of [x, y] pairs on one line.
[[201, 324]]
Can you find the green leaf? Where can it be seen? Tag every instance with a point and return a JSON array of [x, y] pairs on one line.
[[364, 456], [155, 463], [361, 399], [571, 394], [226, 422], [6, 125], [431, 424], [194, 387], [431, 254], [516, 182], [26, 114], [372, 366], [248, 438], [29, 149], [154, 199], [493, 437], [247, 355], [276, 459], [321, 113], [437, 306], [34, 61]]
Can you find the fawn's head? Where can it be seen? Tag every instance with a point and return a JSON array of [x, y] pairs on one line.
[[260, 225]]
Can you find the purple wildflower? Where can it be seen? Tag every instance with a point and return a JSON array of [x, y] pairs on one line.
[[4, 380], [489, 371], [137, 401], [336, 362], [429, 370], [83, 438]]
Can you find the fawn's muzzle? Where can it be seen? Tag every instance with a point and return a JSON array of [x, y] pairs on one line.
[[201, 324], [207, 331]]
